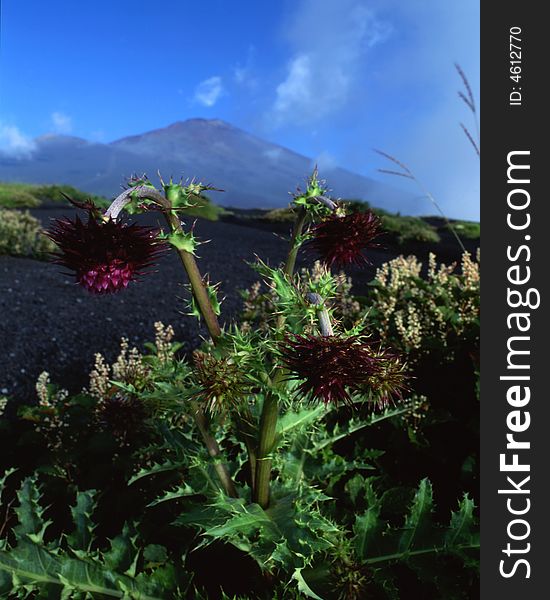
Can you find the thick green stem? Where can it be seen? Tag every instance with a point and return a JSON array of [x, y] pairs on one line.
[[294, 246], [247, 430], [270, 409], [197, 284], [268, 427]]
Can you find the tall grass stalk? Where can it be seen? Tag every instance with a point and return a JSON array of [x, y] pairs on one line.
[[408, 174]]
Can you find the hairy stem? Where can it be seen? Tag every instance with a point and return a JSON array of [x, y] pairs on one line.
[[205, 306], [322, 314], [214, 451], [197, 284]]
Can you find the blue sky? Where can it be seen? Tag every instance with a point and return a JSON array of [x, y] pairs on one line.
[[331, 79]]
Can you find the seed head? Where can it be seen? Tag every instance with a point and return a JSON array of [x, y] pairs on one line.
[[221, 383]]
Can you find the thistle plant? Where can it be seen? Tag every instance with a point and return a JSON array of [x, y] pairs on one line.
[[106, 253]]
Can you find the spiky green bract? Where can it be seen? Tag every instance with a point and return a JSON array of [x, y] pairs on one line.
[[192, 307], [222, 385], [290, 294], [137, 205], [182, 196], [248, 350], [73, 565], [340, 240], [228, 377], [288, 301], [316, 189], [104, 255]]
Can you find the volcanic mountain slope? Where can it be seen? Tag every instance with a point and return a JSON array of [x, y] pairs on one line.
[[252, 171]]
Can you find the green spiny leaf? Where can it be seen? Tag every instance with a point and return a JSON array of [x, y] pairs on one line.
[[181, 491], [366, 528], [303, 587], [462, 524], [167, 465], [121, 556], [34, 567], [81, 537], [419, 519], [30, 512]]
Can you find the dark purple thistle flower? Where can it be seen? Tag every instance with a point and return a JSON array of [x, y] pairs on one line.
[[341, 240], [333, 368], [104, 255]]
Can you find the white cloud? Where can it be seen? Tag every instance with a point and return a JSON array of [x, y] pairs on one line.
[[61, 122], [14, 142], [208, 92], [323, 69], [243, 74]]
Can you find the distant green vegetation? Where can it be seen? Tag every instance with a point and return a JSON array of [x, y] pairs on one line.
[[26, 195], [467, 229], [408, 229], [205, 209], [17, 195], [279, 215]]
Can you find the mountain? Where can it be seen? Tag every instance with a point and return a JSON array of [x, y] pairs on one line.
[[253, 172]]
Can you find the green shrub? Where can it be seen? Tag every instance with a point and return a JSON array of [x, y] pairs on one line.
[[21, 235], [408, 229], [205, 209], [467, 229], [358, 205], [17, 195], [26, 195], [54, 193], [280, 215]]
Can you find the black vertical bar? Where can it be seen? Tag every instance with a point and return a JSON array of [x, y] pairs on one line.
[[516, 242]]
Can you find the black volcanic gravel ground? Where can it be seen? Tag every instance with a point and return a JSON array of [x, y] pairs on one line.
[[49, 323]]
